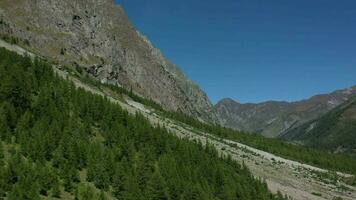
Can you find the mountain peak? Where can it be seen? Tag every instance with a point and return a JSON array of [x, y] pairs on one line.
[[227, 101], [98, 37]]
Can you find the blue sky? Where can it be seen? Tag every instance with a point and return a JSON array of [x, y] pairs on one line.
[[254, 50]]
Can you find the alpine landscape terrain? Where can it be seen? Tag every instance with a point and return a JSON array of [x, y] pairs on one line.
[[90, 109]]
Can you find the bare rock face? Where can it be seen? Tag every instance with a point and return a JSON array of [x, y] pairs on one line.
[[97, 36], [272, 118]]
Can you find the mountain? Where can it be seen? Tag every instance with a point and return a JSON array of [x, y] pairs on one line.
[[69, 142], [336, 130], [63, 120], [274, 118], [97, 37]]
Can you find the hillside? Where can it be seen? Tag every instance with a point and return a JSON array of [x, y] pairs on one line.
[[335, 131], [89, 109], [262, 156], [97, 37], [61, 142], [273, 118]]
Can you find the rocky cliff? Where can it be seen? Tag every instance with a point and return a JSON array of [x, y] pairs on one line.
[[97, 36], [273, 118]]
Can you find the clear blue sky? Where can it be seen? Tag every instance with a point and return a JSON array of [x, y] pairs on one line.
[[254, 50]]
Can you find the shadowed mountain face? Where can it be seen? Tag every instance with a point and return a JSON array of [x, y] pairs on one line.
[[336, 130], [272, 118], [96, 36]]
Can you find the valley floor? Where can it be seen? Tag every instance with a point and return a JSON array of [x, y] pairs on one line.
[[297, 180]]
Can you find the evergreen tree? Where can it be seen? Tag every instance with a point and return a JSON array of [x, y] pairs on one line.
[[8, 119], [56, 191], [102, 196], [84, 192], [156, 188]]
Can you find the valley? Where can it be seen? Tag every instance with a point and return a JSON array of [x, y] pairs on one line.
[[294, 179], [90, 109]]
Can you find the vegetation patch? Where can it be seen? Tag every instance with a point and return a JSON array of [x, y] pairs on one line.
[[316, 194]]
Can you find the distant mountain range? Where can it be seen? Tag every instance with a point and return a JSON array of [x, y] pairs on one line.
[[65, 135], [273, 118], [336, 130]]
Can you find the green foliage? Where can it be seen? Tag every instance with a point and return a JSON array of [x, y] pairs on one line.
[[7, 120], [9, 39], [63, 51], [27, 42], [337, 198], [148, 102], [157, 188], [23, 179], [12, 39], [317, 157], [85, 192], [55, 129]]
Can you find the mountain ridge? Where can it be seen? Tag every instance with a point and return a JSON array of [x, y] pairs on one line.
[[98, 37], [273, 118], [230, 99], [334, 131]]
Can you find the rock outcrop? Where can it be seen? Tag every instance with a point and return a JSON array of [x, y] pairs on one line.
[[97, 36]]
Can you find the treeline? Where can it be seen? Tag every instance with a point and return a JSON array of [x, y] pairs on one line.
[[147, 102], [62, 142]]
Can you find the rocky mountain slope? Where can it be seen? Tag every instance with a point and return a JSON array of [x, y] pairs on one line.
[[97, 37], [296, 180], [334, 131], [273, 118]]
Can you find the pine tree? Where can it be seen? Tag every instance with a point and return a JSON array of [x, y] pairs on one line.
[[56, 191], [102, 196], [8, 120], [84, 192], [3, 174], [27, 186], [4, 127], [156, 188], [22, 127], [118, 180]]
